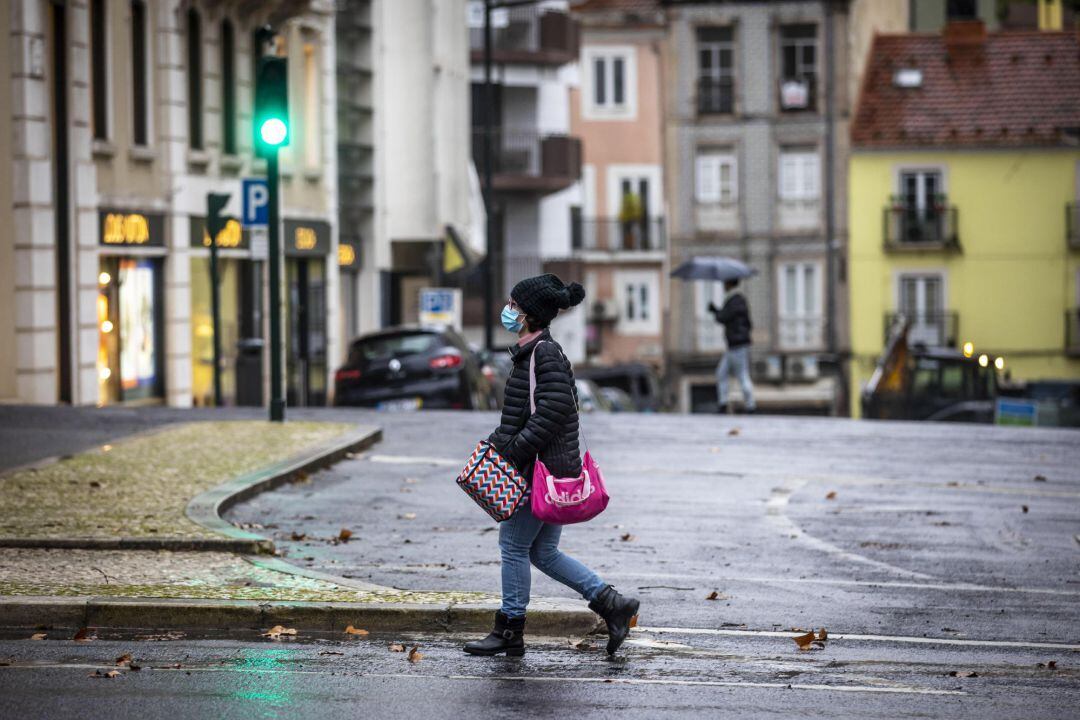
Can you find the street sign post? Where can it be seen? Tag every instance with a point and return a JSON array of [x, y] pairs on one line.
[[215, 223], [440, 307], [256, 194]]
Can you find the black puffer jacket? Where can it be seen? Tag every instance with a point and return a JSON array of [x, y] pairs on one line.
[[552, 433], [735, 316]]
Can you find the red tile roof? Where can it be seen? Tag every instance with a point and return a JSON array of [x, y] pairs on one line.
[[1002, 89]]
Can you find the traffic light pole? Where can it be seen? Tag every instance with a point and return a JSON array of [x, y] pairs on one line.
[[277, 402]]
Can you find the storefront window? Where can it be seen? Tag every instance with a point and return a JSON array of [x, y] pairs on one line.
[[129, 330]]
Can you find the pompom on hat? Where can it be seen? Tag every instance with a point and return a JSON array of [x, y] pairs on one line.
[[543, 296]]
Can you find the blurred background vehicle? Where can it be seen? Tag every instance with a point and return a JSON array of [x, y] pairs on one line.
[[590, 397], [636, 380], [619, 400], [496, 366], [408, 368]]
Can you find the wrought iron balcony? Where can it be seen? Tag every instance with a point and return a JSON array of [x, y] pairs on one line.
[[715, 96], [526, 34], [614, 235], [909, 228], [529, 161], [935, 329]]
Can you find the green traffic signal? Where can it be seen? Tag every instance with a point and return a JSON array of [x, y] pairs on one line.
[[271, 104]]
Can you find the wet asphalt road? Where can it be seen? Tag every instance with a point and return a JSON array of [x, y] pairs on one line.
[[922, 564]]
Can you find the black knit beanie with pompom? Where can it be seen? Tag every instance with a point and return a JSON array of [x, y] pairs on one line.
[[543, 296]]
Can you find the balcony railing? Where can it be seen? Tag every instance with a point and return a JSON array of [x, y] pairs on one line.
[[1072, 225], [1072, 332], [798, 93], [936, 329], [525, 160], [526, 34], [908, 228], [614, 235], [715, 96], [800, 332]]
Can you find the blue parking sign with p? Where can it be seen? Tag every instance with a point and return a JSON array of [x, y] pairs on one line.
[[256, 205]]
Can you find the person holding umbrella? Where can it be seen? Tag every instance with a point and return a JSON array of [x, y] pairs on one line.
[[734, 316]]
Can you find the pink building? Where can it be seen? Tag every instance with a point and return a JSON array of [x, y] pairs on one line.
[[619, 230]]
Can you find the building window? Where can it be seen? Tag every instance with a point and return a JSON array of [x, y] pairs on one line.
[[798, 65], [716, 179], [610, 83], [639, 302], [228, 88], [194, 68], [799, 291], [961, 10], [921, 300], [310, 127], [716, 78], [800, 172], [99, 69], [140, 133]]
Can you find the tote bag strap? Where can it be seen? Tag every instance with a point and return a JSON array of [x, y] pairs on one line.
[[532, 392]]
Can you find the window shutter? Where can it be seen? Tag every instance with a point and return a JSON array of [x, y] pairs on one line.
[[788, 176], [811, 172], [707, 187]]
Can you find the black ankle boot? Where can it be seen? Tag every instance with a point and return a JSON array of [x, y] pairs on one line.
[[619, 612], [507, 637]]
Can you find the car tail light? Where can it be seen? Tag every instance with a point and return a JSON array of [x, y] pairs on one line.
[[347, 375], [442, 362]]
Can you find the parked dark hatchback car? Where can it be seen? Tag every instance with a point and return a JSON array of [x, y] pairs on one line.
[[409, 369]]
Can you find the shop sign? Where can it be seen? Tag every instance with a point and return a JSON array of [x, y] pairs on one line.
[[306, 237], [134, 229], [231, 237], [348, 258], [440, 307]]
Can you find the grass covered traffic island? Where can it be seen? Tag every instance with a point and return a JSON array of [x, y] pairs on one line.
[[139, 487]]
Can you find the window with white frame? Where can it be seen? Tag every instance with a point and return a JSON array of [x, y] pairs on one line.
[[800, 319], [709, 334], [800, 175], [609, 83], [638, 295], [715, 179]]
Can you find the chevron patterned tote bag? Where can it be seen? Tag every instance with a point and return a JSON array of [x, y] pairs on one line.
[[493, 482]]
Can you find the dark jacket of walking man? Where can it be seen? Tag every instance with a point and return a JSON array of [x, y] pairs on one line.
[[735, 317]]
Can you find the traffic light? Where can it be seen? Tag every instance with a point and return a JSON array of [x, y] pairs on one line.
[[271, 105], [215, 221]]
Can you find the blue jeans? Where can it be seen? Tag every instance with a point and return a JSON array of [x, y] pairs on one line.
[[523, 538], [737, 359]]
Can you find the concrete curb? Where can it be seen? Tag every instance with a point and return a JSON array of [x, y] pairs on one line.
[[226, 617], [206, 508]]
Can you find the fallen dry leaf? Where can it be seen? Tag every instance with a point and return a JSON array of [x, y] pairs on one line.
[[395, 647], [633, 621], [410, 481], [279, 630], [415, 655], [344, 535], [627, 537], [822, 635], [733, 432], [714, 595], [805, 642], [298, 536], [831, 495], [330, 652], [714, 449], [355, 631], [39, 636], [110, 674], [124, 659], [407, 516], [83, 635], [1052, 664], [1040, 478], [1024, 508], [584, 644], [963, 673]]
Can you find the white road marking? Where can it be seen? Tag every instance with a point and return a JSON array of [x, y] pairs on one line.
[[776, 511], [415, 460], [865, 638], [895, 689], [948, 587]]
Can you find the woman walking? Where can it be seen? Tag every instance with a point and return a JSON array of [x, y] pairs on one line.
[[550, 433]]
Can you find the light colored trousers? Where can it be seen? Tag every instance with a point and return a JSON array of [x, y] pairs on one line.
[[737, 361]]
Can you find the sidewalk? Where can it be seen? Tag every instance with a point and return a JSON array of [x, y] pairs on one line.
[[130, 534]]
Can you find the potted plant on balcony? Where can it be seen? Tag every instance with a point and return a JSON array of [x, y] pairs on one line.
[[631, 214]]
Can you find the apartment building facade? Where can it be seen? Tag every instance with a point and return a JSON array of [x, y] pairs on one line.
[[126, 114], [758, 101]]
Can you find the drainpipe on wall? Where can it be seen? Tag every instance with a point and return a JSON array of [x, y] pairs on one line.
[[830, 173]]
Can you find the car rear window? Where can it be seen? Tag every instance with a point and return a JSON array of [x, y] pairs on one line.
[[394, 346]]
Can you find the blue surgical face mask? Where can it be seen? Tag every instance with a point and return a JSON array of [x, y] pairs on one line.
[[510, 319]]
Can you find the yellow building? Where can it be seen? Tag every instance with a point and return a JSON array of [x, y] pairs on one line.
[[963, 192]]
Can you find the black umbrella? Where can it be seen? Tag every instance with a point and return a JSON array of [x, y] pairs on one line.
[[713, 268]]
